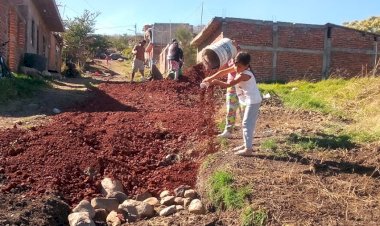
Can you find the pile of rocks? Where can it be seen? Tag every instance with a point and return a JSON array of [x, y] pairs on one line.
[[115, 208]]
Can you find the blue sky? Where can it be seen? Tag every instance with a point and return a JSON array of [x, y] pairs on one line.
[[120, 16]]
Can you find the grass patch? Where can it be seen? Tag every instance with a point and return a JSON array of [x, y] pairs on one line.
[[325, 141], [19, 86], [269, 144], [250, 217], [224, 194], [223, 143], [356, 99], [221, 125]]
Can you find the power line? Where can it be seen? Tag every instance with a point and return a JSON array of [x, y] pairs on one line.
[[89, 4]]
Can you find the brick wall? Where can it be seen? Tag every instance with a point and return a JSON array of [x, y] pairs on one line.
[[286, 51], [4, 5], [250, 34], [294, 66], [261, 63], [13, 39], [352, 52], [350, 64], [301, 37], [346, 38]]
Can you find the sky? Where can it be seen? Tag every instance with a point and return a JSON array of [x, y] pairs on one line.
[[121, 16]]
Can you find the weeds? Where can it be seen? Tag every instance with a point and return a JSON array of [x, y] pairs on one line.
[[223, 193], [250, 217], [269, 144], [19, 86], [221, 125], [321, 141], [356, 99], [223, 143]]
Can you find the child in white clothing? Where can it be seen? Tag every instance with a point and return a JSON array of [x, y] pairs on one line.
[[245, 82]]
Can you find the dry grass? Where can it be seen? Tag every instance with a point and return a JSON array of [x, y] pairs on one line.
[[328, 186]]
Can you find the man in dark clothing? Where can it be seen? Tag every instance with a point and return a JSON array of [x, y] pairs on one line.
[[175, 57]]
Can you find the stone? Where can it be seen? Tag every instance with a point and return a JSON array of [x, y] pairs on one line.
[[178, 201], [180, 191], [197, 207], [109, 186], [113, 219], [153, 201], [137, 209], [104, 203], [100, 215], [168, 211], [159, 208], [85, 206], [186, 202], [179, 207], [164, 193], [120, 196], [143, 196], [30, 71], [80, 219], [56, 110], [190, 194], [167, 200]]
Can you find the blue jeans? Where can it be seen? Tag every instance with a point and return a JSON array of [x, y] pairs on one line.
[[251, 114]]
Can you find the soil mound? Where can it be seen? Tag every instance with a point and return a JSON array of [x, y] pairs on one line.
[[124, 131]]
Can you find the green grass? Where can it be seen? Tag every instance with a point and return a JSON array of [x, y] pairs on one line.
[[19, 86], [221, 125], [356, 99], [224, 194], [269, 144], [250, 217], [223, 143], [323, 141]]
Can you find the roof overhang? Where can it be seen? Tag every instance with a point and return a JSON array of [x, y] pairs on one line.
[[206, 32], [50, 14]]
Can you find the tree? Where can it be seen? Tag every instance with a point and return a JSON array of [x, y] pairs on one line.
[[184, 36], [371, 24], [76, 38], [98, 44]]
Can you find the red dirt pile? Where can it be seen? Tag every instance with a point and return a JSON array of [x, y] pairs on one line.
[[124, 131]]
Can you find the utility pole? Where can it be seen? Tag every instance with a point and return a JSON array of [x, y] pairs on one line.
[[202, 15], [136, 33]]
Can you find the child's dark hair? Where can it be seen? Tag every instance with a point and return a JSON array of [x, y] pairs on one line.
[[243, 58]]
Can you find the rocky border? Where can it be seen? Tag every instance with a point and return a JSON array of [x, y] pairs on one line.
[[115, 208]]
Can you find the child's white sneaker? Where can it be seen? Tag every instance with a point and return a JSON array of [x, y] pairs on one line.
[[225, 134]]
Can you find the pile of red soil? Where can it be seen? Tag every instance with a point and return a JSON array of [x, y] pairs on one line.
[[124, 131]]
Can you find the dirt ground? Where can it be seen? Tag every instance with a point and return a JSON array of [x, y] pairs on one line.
[[109, 127], [335, 185]]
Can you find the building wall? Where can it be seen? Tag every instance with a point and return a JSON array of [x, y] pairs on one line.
[[16, 27], [352, 53], [35, 42], [287, 51], [55, 53], [12, 26], [4, 26]]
